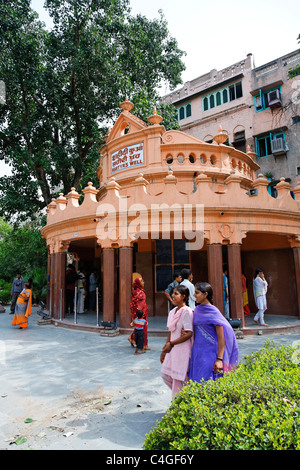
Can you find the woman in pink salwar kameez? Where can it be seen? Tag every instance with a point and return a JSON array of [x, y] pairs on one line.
[[175, 356]]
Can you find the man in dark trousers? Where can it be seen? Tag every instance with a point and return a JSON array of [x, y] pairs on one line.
[[16, 289], [71, 278]]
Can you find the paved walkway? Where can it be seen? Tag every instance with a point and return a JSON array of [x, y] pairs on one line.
[[83, 391], [158, 324]]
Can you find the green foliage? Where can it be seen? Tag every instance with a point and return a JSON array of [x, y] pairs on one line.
[[255, 407], [23, 249], [5, 291], [294, 72], [64, 87]]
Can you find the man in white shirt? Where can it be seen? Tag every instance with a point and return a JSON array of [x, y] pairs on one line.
[[260, 287], [81, 292], [187, 277]]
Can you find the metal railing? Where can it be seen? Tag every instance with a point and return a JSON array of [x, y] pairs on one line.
[[75, 306]]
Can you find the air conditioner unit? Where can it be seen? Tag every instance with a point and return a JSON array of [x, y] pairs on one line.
[[274, 99], [258, 102], [279, 146]]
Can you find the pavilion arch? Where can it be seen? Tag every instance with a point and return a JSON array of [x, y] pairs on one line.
[[273, 253], [124, 128]]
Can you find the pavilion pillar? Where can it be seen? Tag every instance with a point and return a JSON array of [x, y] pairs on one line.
[[57, 284], [215, 274], [108, 284], [236, 307], [296, 253], [48, 284], [125, 285]]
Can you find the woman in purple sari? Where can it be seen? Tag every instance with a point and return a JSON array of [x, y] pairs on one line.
[[215, 349]]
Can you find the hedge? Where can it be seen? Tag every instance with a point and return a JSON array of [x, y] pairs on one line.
[[254, 407]]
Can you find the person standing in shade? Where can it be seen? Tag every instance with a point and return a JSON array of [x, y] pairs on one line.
[[92, 289], [169, 290], [71, 278], [225, 293], [16, 289], [260, 287], [245, 295], [81, 292], [187, 278]]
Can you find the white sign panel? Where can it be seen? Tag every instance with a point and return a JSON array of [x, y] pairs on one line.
[[127, 157]]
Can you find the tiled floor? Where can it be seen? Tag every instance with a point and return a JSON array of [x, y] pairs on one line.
[[159, 323]]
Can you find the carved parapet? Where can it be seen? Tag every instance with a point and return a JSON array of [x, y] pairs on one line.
[[296, 191], [61, 202], [112, 194], [72, 198], [260, 181], [90, 193], [51, 208], [283, 188], [112, 185], [261, 184], [233, 181], [170, 178], [138, 186], [170, 190]]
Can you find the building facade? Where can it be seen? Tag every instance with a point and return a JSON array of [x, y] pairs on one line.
[[166, 200], [259, 107]]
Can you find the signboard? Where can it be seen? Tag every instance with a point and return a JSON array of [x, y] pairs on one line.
[[127, 157]]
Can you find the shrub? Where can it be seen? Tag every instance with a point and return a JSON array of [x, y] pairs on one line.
[[254, 407]]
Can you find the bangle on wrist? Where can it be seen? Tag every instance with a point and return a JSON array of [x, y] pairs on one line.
[[220, 359]]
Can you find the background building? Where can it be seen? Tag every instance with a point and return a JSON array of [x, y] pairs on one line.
[[257, 107]]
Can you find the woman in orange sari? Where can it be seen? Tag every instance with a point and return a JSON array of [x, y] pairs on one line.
[[138, 302], [23, 307]]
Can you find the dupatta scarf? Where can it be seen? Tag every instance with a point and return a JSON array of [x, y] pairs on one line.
[[205, 347], [138, 299]]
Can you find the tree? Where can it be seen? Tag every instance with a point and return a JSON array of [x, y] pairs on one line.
[[22, 248], [64, 86]]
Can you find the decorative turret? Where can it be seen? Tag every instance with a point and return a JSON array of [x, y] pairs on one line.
[[155, 119], [221, 137], [126, 105]]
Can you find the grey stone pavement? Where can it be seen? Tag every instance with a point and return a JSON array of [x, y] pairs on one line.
[[83, 391]]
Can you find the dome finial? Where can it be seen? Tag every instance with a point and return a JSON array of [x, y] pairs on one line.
[[126, 105]]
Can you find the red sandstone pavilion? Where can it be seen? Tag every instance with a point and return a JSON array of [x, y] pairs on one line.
[[167, 200]]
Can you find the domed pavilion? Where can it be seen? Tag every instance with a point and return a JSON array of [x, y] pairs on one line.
[[164, 200]]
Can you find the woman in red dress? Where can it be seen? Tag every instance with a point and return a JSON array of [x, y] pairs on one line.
[[138, 302]]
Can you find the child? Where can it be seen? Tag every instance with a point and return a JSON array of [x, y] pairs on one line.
[[175, 355], [139, 322]]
